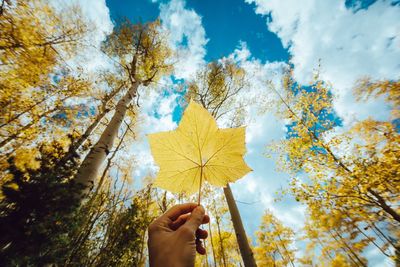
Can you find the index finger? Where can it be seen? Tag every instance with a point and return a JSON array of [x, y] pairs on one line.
[[177, 210]]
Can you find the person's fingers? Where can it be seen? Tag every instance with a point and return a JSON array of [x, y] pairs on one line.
[[199, 247], [201, 234], [180, 221], [195, 219], [177, 210], [206, 219], [183, 218]]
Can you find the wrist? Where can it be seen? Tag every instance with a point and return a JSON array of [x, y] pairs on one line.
[[164, 258]]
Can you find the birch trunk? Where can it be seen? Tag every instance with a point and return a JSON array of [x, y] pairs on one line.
[[212, 244], [221, 243], [245, 250], [94, 159], [73, 149]]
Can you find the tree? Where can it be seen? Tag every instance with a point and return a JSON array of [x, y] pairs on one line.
[[102, 110], [114, 226], [19, 132], [142, 55], [221, 246], [274, 243], [354, 174], [337, 240], [231, 253], [35, 42], [124, 234], [36, 210], [35, 82], [43, 134], [215, 88], [218, 209]]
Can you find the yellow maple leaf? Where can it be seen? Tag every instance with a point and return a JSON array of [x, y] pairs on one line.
[[198, 151]]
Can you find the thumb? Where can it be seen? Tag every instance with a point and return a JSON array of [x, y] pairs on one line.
[[196, 218]]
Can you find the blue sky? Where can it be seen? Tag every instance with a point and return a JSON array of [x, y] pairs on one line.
[[226, 22], [350, 38]]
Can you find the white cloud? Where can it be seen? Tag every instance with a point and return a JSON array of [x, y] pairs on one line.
[[349, 44], [96, 11], [99, 14], [187, 37]]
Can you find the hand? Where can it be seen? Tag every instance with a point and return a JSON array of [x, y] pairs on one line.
[[175, 236]]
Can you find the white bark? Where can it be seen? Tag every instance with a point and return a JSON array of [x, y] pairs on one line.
[[88, 171]]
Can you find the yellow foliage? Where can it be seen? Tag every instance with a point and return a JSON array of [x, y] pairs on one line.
[[32, 37], [274, 243], [26, 158], [339, 261], [141, 49], [350, 176], [35, 40]]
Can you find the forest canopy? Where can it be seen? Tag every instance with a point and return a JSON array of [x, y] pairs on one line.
[[77, 178]]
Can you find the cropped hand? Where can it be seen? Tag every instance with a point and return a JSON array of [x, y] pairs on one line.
[[175, 236]]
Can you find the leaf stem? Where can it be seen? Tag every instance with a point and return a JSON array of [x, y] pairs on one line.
[[201, 181]]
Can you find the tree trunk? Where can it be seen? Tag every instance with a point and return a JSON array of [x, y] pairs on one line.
[[108, 165], [221, 243], [212, 244], [73, 148], [245, 250], [82, 139], [142, 259], [206, 255], [91, 164], [397, 255], [384, 205]]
